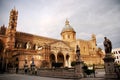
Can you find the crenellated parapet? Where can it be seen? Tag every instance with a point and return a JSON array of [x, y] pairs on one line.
[[30, 41]]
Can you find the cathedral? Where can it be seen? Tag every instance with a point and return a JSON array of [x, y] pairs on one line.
[[18, 48]]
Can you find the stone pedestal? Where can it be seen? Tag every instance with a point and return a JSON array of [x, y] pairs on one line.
[[78, 69], [109, 66]]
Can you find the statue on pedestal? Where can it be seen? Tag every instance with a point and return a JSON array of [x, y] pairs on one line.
[[78, 52], [107, 45], [109, 60], [32, 64], [79, 64]]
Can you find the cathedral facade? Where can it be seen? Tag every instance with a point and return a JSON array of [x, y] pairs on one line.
[[18, 47]]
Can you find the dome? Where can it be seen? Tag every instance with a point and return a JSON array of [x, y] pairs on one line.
[[67, 27]]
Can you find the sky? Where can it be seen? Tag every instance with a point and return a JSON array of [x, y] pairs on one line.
[[47, 18]]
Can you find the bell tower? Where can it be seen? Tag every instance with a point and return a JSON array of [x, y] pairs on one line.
[[94, 40], [11, 30], [68, 33]]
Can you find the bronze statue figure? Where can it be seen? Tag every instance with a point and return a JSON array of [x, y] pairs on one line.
[[78, 52], [107, 45]]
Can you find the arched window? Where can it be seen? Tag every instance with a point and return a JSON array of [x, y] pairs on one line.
[[52, 58], [68, 36]]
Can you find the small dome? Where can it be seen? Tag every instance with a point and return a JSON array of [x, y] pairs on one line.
[[67, 27]]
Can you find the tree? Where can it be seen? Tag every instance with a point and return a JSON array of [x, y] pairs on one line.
[[73, 63]]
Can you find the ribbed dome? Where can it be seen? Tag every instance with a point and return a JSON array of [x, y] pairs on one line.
[[67, 27]]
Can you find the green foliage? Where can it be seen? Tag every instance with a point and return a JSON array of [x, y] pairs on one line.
[[86, 70], [85, 67], [73, 63], [57, 65]]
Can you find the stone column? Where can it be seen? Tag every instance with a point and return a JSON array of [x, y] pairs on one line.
[[109, 66]]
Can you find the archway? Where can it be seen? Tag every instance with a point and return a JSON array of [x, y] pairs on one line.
[[60, 59], [67, 60], [52, 60]]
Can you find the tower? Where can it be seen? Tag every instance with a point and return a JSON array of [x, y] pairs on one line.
[[68, 33], [11, 30], [94, 40]]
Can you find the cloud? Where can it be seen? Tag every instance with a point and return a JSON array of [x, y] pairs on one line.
[[98, 36], [47, 17], [100, 44], [84, 35]]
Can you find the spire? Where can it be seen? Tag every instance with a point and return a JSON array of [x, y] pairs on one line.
[[13, 19], [66, 22], [14, 8]]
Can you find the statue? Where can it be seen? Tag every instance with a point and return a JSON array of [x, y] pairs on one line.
[[32, 64], [107, 45], [78, 52]]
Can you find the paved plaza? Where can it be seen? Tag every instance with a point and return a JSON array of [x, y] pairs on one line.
[[25, 77], [99, 76], [32, 77]]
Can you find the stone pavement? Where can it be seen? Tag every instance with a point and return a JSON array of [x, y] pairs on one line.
[[32, 77], [25, 77], [99, 76]]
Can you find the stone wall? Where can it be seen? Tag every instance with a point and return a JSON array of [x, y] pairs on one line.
[[12, 70], [68, 73], [58, 73]]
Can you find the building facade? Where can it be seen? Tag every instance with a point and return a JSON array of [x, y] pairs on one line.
[[116, 53], [18, 47]]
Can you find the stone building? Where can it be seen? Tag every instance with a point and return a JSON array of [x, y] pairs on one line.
[[18, 47], [116, 53]]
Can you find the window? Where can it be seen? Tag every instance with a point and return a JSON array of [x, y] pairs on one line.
[[117, 57], [93, 49], [63, 37], [119, 52], [17, 59], [68, 36], [114, 52]]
